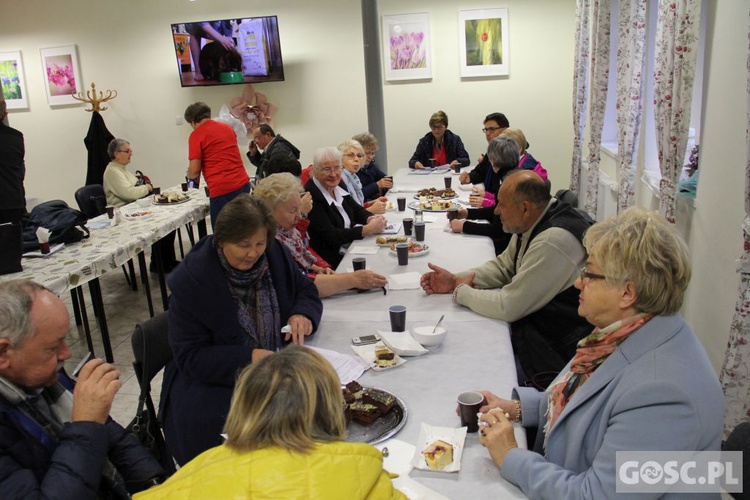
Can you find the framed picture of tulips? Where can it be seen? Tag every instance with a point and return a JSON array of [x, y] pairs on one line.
[[62, 76], [407, 47], [483, 42], [12, 80]]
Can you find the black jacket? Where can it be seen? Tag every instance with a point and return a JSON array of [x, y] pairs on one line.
[[454, 150], [280, 156], [327, 231], [12, 169]]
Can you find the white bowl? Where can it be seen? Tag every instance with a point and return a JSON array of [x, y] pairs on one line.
[[423, 334], [144, 202]]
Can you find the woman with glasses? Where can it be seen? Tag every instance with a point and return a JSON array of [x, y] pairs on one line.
[[353, 156], [640, 381], [285, 439], [336, 219], [440, 145], [121, 188], [374, 181]]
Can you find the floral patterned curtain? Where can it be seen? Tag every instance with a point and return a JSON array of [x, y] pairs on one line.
[[598, 102], [677, 28], [735, 376], [631, 58], [580, 90]]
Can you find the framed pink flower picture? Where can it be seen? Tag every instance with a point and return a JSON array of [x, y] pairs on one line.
[[62, 76], [407, 47], [483, 42]]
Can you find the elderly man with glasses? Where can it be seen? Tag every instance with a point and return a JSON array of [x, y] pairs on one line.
[[335, 217], [529, 285]]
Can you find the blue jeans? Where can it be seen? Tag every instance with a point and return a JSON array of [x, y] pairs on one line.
[[218, 203]]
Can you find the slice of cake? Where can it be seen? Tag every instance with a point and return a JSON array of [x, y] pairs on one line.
[[438, 455], [364, 413], [384, 357], [380, 399], [355, 389]]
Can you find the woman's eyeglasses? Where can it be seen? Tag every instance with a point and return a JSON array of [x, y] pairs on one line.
[[354, 155], [585, 276]]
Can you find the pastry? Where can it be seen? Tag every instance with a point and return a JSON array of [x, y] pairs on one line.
[[384, 357], [380, 399], [438, 455], [364, 413]]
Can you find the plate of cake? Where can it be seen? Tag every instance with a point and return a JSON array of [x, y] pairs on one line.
[[170, 198], [378, 356], [433, 204], [372, 414], [439, 448], [386, 241], [446, 194]]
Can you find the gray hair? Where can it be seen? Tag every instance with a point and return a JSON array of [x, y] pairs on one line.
[[114, 146], [322, 155], [503, 153], [367, 140], [277, 188], [350, 143], [16, 299]]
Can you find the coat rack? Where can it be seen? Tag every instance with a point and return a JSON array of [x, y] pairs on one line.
[[95, 99]]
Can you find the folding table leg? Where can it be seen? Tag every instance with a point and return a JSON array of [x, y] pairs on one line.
[[146, 284], [98, 303]]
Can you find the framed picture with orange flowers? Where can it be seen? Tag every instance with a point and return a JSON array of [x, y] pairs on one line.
[[483, 42], [62, 76], [12, 80], [406, 47]]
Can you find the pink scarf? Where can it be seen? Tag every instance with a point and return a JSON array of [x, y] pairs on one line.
[[297, 246], [592, 351]]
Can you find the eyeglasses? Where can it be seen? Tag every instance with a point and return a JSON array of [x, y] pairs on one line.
[[437, 127], [490, 129], [329, 170], [585, 276], [370, 153], [354, 155], [126, 151]]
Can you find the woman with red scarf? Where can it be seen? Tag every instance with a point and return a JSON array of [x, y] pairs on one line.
[[640, 381]]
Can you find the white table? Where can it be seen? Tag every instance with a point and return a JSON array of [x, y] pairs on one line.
[[110, 247], [476, 354]]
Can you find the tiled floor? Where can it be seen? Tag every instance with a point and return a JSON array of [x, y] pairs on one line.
[[124, 308]]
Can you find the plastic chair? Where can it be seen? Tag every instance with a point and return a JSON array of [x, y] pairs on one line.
[[151, 353], [91, 200]]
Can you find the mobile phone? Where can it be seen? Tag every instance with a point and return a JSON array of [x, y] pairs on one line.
[[365, 340], [78, 367]]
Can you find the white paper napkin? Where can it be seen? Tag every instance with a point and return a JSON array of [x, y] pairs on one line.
[[363, 250], [402, 343], [404, 281]]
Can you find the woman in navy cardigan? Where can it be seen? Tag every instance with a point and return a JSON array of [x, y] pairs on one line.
[[439, 144], [231, 296]]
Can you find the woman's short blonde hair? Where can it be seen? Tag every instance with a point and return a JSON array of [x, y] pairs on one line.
[[367, 140], [349, 144], [439, 117], [277, 188], [291, 399], [517, 135], [640, 246]]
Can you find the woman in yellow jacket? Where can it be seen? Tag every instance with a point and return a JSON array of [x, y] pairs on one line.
[[285, 432]]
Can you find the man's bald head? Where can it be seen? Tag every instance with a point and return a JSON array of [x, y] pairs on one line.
[[522, 198], [526, 185]]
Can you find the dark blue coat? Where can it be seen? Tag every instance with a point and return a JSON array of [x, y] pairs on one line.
[[32, 466], [369, 175], [454, 150], [209, 346]]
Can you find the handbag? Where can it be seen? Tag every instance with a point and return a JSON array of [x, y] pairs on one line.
[[11, 248], [141, 178]]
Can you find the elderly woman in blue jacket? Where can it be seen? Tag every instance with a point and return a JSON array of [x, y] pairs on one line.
[[230, 299], [640, 382], [440, 145]]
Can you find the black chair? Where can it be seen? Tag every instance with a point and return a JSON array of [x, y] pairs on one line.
[[739, 440], [152, 353], [91, 200]]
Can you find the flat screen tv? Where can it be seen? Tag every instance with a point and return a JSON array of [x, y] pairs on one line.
[[229, 51]]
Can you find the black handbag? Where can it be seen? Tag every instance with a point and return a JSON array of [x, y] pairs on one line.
[[11, 248]]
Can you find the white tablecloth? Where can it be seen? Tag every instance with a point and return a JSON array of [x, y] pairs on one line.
[[476, 354]]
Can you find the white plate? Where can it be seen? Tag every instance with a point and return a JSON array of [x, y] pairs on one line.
[[425, 251], [144, 213], [417, 196], [428, 435], [367, 352], [187, 199], [414, 205]]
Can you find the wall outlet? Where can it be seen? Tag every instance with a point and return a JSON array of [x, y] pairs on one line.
[[178, 120]]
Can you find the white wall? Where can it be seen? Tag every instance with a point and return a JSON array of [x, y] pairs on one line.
[[127, 46], [536, 97]]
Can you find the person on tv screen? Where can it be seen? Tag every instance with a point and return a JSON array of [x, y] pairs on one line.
[[219, 31]]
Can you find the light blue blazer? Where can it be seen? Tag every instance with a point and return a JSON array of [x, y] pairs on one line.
[[657, 391]]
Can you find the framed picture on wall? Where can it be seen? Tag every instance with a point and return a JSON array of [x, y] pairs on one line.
[[62, 76], [483, 42], [406, 47], [12, 80]]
